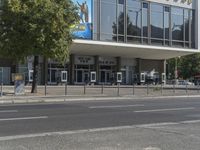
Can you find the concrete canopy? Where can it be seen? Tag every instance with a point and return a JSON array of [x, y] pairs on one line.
[[89, 47]]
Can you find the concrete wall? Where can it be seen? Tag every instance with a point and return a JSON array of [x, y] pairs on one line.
[[149, 65]]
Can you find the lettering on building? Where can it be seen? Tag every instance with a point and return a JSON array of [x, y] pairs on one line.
[[182, 1]]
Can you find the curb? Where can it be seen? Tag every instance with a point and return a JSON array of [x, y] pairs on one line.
[[52, 99]]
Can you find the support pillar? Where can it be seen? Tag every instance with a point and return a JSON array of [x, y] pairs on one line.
[[96, 59], [72, 69]]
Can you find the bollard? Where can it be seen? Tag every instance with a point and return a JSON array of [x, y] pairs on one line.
[[45, 89], [161, 88], [84, 88], [174, 88], [133, 89], [198, 86], [147, 88], [186, 89], [102, 89], [118, 89], [1, 89], [65, 88]]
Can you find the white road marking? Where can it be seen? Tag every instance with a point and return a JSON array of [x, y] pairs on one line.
[[115, 106], [23, 118], [15, 137], [8, 111], [190, 121], [157, 124], [160, 110]]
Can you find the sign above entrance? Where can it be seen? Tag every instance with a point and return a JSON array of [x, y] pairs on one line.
[[84, 60], [107, 61], [179, 3]]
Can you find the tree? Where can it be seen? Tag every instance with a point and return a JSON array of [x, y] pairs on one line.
[[187, 66], [38, 28]]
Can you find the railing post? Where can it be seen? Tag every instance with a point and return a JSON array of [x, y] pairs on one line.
[[1, 89], [84, 88], [174, 88], [65, 88], [186, 89], [102, 86], [45, 89], [118, 89]]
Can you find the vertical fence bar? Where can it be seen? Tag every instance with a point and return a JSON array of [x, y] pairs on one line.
[[45, 89], [186, 89], [174, 88], [118, 86], [84, 88], [65, 88], [102, 86], [1, 89], [2, 81]]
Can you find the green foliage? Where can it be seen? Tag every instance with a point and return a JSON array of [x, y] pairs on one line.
[[187, 66], [37, 27]]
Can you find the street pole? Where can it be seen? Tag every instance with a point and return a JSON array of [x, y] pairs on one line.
[[118, 89], [1, 81], [102, 88]]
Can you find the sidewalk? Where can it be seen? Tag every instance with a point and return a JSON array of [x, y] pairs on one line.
[[81, 93]]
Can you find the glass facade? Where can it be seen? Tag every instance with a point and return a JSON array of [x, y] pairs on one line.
[[136, 21]]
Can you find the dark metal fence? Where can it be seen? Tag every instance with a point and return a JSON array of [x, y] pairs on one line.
[[108, 90]]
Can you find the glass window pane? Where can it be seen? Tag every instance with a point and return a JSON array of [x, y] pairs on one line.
[[134, 3], [166, 24], [120, 19], [156, 21], [134, 21], [108, 19], [145, 20], [186, 24], [177, 24]]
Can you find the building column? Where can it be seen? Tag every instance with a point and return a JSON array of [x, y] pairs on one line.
[[96, 65], [118, 69], [71, 69], [138, 66]]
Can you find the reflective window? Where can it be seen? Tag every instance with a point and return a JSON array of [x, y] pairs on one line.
[[145, 21], [177, 24], [186, 24], [166, 22], [134, 20], [192, 16], [121, 17], [156, 21], [108, 20]]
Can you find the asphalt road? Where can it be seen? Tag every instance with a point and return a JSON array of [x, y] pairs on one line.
[[72, 116]]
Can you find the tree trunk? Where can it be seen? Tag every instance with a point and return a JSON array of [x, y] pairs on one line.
[[35, 74]]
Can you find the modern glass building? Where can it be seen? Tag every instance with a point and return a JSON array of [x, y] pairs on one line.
[[127, 36], [134, 37]]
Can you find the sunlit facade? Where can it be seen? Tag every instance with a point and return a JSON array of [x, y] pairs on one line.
[[127, 36]]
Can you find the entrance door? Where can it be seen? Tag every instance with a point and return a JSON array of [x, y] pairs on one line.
[[79, 76], [82, 76], [105, 76], [86, 77]]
